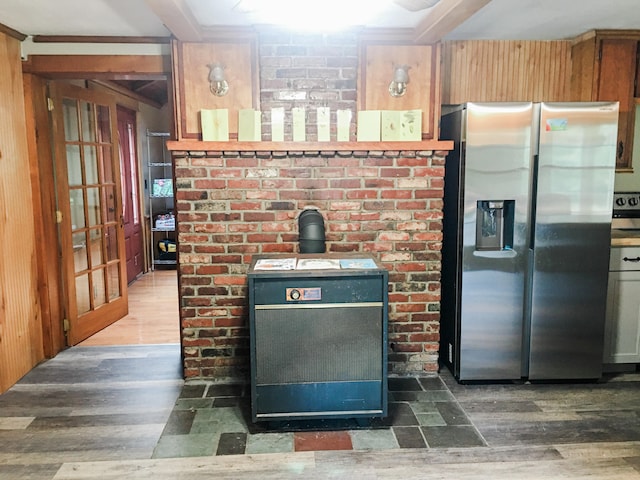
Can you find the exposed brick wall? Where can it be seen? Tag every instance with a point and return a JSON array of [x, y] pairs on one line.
[[307, 71], [231, 206]]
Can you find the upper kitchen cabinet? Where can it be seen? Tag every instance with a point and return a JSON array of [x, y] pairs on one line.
[[605, 67], [422, 63], [196, 65]]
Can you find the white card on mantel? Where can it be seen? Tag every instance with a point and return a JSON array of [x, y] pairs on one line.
[[299, 125], [277, 124], [324, 124], [344, 124]]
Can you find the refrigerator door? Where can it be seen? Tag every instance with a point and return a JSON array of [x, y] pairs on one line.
[[494, 223], [575, 176]]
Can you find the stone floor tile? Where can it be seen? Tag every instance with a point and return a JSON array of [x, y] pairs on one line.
[[400, 414], [381, 439], [409, 437], [230, 419], [431, 419], [269, 443], [233, 443], [432, 383], [423, 407], [193, 403], [397, 384], [198, 445], [232, 390], [452, 413], [312, 441], [193, 391], [179, 422]]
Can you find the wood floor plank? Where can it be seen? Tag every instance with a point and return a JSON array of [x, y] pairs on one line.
[[351, 465], [153, 316]]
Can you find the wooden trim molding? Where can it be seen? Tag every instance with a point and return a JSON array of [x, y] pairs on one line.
[[198, 146], [12, 33], [99, 66], [97, 39]]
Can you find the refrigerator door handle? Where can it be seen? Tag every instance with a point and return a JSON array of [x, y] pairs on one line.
[[532, 213]]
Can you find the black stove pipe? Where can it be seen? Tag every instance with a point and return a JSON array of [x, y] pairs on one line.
[[311, 232]]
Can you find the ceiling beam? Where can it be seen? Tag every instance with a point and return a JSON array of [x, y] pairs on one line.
[[177, 17], [129, 67], [444, 17]]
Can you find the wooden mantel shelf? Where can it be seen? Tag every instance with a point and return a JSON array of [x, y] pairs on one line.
[[234, 146]]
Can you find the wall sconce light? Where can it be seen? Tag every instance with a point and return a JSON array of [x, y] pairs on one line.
[[398, 86], [217, 84]]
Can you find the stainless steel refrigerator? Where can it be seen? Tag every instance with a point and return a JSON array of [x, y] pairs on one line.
[[526, 238]]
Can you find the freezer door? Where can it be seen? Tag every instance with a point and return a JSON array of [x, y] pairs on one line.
[[575, 175], [496, 185]]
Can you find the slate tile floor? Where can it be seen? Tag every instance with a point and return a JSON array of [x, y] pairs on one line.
[[212, 419], [92, 412]]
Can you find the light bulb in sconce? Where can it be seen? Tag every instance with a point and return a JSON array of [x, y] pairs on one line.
[[398, 86], [217, 83]]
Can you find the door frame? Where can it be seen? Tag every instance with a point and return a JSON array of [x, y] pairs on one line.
[[36, 70]]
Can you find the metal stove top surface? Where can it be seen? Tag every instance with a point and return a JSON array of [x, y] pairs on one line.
[[626, 204]]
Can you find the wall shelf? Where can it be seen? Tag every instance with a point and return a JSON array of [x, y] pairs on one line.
[[234, 146]]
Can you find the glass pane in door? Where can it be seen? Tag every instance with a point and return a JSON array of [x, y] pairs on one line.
[[90, 164], [93, 206], [74, 165], [87, 120], [70, 116], [99, 294], [83, 302], [80, 252], [113, 275], [76, 200]]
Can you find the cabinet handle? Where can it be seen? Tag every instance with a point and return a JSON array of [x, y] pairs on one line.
[[635, 260]]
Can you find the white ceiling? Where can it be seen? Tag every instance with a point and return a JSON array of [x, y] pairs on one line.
[[499, 19]]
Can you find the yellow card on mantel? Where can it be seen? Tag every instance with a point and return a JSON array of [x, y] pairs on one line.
[[215, 125], [344, 124], [401, 125], [249, 125], [299, 124], [368, 126], [324, 124], [277, 124]]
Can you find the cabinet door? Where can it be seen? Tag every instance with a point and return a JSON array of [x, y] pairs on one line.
[[616, 83], [622, 331]]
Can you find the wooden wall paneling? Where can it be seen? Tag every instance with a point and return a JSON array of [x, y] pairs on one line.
[[618, 65], [505, 70], [20, 315], [376, 72], [583, 61], [192, 74], [44, 201]]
